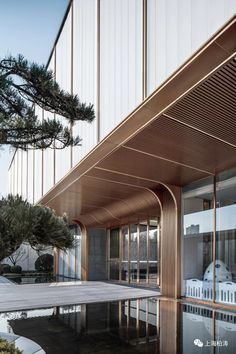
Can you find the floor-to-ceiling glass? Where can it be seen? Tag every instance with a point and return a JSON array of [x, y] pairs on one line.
[[225, 263], [69, 262], [125, 253], [143, 253], [134, 252], [198, 228], [114, 254], [153, 239], [209, 239]]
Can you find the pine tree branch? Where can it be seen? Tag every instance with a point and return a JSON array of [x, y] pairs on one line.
[[19, 125]]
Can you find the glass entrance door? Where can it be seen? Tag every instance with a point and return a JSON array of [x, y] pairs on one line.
[[134, 252]]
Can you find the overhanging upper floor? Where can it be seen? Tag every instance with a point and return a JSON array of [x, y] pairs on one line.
[[184, 131]]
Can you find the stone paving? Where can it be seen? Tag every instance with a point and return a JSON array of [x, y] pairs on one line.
[[23, 297]]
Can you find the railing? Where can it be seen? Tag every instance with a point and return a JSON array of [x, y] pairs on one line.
[[198, 289]]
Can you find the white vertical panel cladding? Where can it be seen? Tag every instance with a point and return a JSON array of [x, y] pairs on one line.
[[60, 263], [30, 175], [19, 167], [48, 154], [176, 29], [78, 257], [84, 74], [24, 174], [72, 263], [16, 172], [66, 264], [13, 176], [9, 180], [38, 165], [63, 77], [48, 162], [121, 60]]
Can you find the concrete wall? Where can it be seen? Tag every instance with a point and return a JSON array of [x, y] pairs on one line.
[[26, 257], [97, 254]]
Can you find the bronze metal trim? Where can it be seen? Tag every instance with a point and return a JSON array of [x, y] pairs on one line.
[[144, 50], [98, 66], [54, 115], [33, 152], [138, 253], [21, 187], [108, 252], [42, 182], [129, 251], [148, 250], [27, 173], [71, 72], [214, 244], [120, 254], [159, 251]]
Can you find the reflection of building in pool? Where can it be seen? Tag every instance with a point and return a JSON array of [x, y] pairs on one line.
[[152, 188], [134, 326], [208, 325], [122, 325]]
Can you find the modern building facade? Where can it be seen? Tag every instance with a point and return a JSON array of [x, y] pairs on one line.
[[152, 187]]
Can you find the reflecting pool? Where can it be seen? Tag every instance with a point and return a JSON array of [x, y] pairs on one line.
[[132, 326]]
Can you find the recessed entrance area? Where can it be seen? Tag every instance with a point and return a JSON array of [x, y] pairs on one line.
[[134, 252]]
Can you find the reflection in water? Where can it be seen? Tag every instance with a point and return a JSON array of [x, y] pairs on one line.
[[215, 330], [132, 326]]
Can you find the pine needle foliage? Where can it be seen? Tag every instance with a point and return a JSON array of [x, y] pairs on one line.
[[8, 348], [24, 85], [37, 225]]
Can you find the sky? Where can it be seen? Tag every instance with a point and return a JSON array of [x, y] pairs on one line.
[[27, 27]]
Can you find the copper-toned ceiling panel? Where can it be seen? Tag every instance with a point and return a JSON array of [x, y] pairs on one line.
[[107, 212], [104, 188], [134, 163], [174, 141], [119, 178], [211, 106]]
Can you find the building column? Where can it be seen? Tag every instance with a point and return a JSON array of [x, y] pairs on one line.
[[94, 254], [170, 267]]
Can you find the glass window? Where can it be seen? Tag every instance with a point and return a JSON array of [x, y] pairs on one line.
[[198, 225], [133, 252], [114, 243], [125, 244], [114, 263], [225, 264], [143, 252], [114, 270], [152, 264]]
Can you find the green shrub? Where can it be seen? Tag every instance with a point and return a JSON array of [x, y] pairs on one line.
[[5, 268], [8, 348], [16, 269], [44, 263]]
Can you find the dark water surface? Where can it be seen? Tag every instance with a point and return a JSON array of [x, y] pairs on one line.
[[134, 326], [36, 279]]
